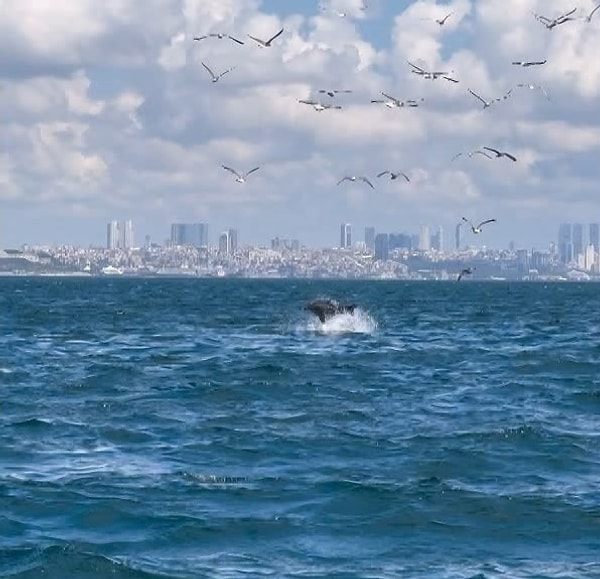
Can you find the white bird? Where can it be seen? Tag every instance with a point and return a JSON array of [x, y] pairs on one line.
[[353, 179], [529, 62], [477, 228], [394, 103], [265, 43], [332, 93], [551, 23], [501, 153], [588, 18], [394, 176], [433, 75], [218, 35], [240, 177], [534, 87], [318, 105], [216, 77]]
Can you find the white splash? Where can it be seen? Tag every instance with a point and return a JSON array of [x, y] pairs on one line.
[[360, 322]]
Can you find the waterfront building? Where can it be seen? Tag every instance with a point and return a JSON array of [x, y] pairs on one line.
[[424, 239], [193, 234], [382, 248], [346, 236], [370, 238]]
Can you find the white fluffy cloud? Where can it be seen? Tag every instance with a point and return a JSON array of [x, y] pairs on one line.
[[109, 114]]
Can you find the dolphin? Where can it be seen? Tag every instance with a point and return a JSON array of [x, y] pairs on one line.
[[325, 309]]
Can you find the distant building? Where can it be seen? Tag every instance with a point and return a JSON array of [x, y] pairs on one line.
[[370, 238], [126, 234], [119, 235], [194, 234], [437, 240], [224, 243], [424, 239], [565, 248], [232, 241], [346, 236], [382, 249], [458, 236], [577, 240], [400, 241], [594, 236], [112, 235]]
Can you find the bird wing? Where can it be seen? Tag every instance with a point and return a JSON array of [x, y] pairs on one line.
[[251, 171], [456, 156], [477, 96], [307, 102], [589, 16], [449, 78], [519, 62], [459, 276], [200, 37], [377, 101], [387, 96], [418, 70], [405, 176], [567, 14], [486, 221], [235, 39], [344, 179], [482, 153], [443, 20], [274, 37], [511, 157], [261, 42], [233, 171], [382, 173], [226, 71], [367, 182], [498, 153], [209, 71], [469, 222]]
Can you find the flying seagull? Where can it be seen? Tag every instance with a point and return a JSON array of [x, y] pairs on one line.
[[394, 103], [332, 93], [500, 153], [353, 179], [477, 152], [240, 178], [534, 87], [486, 104], [318, 105], [216, 77], [218, 35], [477, 229], [265, 43], [466, 271], [551, 23], [394, 176], [431, 74], [526, 63], [442, 21], [588, 18]]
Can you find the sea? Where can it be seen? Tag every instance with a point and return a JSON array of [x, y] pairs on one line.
[[193, 428]]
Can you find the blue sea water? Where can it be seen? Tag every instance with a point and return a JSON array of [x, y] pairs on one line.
[[213, 428]]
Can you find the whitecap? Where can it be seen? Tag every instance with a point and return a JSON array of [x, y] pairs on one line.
[[359, 322]]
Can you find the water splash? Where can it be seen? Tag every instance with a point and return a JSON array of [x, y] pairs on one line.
[[360, 322]]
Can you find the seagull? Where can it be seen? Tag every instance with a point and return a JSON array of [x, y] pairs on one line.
[[529, 62], [218, 35], [240, 178], [394, 176], [466, 271], [588, 18], [442, 21], [265, 43], [318, 105], [486, 104], [332, 93], [500, 153], [431, 74], [534, 87], [551, 23], [353, 179], [394, 103], [477, 229], [216, 77], [477, 152]]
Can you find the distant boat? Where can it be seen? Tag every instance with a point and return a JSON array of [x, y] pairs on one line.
[[111, 270]]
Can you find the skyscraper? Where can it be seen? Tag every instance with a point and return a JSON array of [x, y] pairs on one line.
[[424, 240], [232, 243], [126, 234], [346, 236], [565, 249], [194, 234], [594, 235], [382, 246], [577, 240], [224, 243], [112, 235], [370, 238], [437, 239]]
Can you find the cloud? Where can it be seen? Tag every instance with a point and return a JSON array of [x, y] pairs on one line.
[[107, 107]]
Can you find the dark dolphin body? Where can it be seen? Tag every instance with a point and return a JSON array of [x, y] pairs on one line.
[[325, 309]]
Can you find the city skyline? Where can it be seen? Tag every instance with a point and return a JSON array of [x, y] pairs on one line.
[[113, 117]]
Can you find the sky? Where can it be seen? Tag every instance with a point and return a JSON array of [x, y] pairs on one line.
[[107, 113]]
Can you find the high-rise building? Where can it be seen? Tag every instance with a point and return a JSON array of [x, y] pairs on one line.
[[594, 236], [577, 240], [400, 241], [346, 236], [382, 246], [194, 234], [232, 241], [565, 247], [126, 234], [437, 239], [424, 240], [458, 236], [112, 235], [224, 243], [370, 238]]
